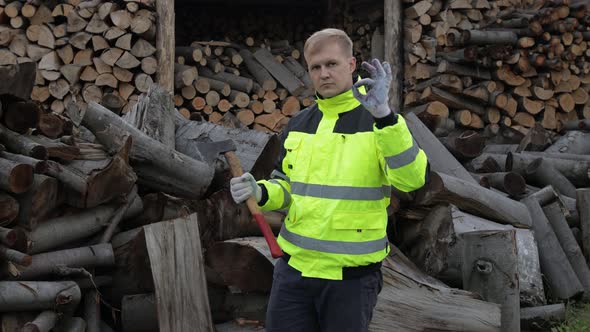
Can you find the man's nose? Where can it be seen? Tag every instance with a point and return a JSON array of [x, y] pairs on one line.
[[324, 72]]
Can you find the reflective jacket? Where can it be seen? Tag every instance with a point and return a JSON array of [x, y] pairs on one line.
[[334, 174]]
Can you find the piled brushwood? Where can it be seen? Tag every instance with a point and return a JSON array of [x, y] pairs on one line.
[[498, 99], [85, 51], [492, 65]]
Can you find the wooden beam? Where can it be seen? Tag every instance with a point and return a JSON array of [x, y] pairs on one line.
[[165, 43], [393, 47]]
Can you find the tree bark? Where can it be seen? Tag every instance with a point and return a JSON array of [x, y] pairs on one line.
[[261, 75], [8, 209], [38, 295], [156, 165], [236, 82], [559, 275], [22, 144], [50, 263], [440, 159], [43, 323], [574, 142], [39, 166], [575, 171], [583, 207], [92, 311], [543, 174], [554, 214], [282, 74], [58, 231], [542, 316], [473, 198], [490, 268]]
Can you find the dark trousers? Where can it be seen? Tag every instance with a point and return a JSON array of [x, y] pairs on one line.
[[309, 304]]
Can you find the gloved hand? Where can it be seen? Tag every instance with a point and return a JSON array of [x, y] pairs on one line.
[[376, 100], [243, 187]]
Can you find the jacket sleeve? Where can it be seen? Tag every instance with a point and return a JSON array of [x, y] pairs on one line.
[[276, 192], [403, 162]]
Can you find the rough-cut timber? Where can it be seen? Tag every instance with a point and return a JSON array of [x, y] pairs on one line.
[[181, 296]]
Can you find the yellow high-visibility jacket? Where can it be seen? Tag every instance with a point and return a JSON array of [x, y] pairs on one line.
[[335, 174]]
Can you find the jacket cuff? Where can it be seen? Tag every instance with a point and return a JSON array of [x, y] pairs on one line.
[[385, 121], [263, 196]]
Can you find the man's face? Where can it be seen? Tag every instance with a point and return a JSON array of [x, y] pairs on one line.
[[330, 69]]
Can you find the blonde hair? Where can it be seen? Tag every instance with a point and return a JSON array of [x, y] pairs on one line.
[[322, 36]]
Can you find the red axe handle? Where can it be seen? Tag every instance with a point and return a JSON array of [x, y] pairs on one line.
[[236, 170]]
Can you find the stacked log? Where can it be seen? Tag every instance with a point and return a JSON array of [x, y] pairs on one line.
[[250, 86], [84, 52], [497, 64]]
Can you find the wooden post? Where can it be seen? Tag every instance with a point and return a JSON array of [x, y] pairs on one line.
[[393, 14], [165, 43], [583, 202], [561, 278], [490, 268], [182, 299], [573, 252]]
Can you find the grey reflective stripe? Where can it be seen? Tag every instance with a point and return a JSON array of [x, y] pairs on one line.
[[286, 195], [276, 174], [340, 192], [334, 247], [404, 158]]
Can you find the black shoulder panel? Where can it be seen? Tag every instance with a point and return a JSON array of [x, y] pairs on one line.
[[355, 121], [306, 121]]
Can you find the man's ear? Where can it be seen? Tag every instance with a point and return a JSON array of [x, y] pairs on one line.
[[352, 64]]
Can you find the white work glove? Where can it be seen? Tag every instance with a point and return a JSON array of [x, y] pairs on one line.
[[376, 100], [243, 187]]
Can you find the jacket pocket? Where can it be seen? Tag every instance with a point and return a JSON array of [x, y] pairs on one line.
[[292, 150]]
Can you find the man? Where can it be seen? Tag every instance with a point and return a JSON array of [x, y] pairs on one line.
[[340, 158]]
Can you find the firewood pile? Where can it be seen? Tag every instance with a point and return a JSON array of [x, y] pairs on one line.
[[497, 64], [85, 51], [272, 83], [76, 190]]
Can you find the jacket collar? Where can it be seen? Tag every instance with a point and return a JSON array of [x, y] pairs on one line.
[[341, 103]]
